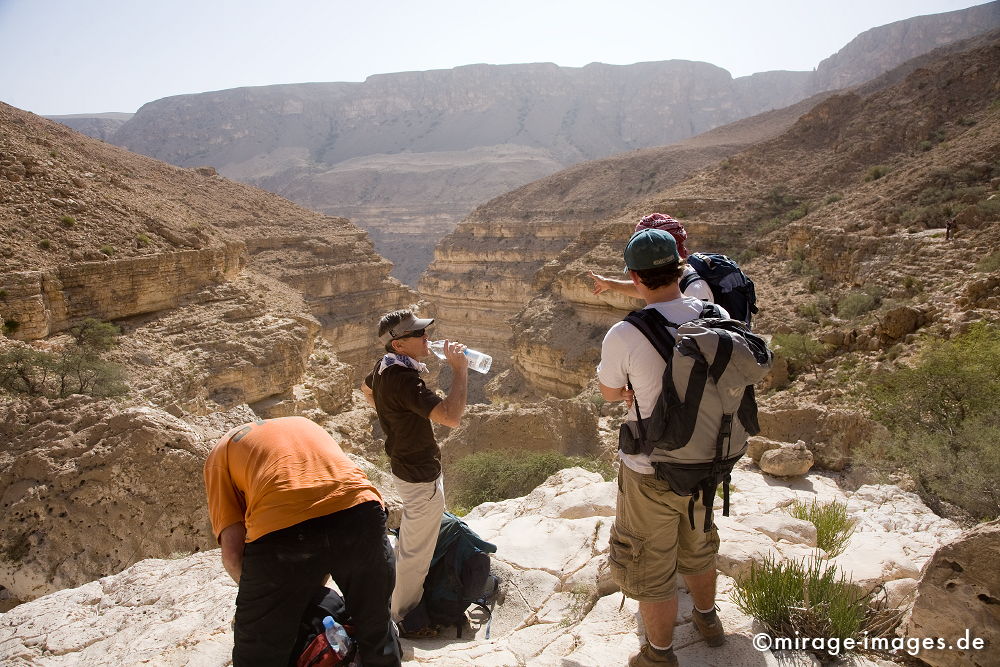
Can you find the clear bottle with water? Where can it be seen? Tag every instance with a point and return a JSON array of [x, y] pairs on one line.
[[478, 361], [336, 634]]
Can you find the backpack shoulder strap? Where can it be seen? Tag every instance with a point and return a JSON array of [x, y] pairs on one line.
[[689, 278], [653, 326]]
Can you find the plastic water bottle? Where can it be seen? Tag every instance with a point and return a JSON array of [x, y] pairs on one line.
[[336, 634], [478, 361]]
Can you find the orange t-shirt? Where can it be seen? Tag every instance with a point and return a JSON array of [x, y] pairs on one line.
[[275, 473]]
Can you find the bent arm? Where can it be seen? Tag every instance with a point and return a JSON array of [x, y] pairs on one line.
[[233, 540], [369, 396], [612, 394]]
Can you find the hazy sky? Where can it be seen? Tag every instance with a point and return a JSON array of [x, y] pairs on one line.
[[86, 56]]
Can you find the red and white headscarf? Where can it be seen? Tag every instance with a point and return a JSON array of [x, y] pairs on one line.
[[667, 224]]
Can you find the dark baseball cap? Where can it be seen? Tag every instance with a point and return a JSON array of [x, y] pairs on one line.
[[650, 249]]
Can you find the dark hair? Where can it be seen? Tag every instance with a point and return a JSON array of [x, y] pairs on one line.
[[388, 321], [661, 276]]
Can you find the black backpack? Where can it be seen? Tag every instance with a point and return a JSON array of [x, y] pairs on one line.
[[459, 577], [698, 428], [731, 288]]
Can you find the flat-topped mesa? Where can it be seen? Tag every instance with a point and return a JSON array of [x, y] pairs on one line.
[[482, 275]]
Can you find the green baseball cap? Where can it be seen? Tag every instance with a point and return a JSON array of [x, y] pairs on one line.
[[650, 249]]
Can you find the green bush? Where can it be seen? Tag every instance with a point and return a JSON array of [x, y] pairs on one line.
[[68, 221], [492, 476], [95, 335], [77, 368], [876, 172], [143, 240], [855, 304], [38, 373], [944, 417], [45, 244], [990, 263], [801, 351], [832, 199], [833, 527], [810, 598], [107, 250]]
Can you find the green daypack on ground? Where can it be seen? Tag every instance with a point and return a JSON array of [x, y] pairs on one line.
[[459, 577]]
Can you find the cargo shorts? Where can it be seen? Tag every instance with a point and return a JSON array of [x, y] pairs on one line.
[[652, 539]]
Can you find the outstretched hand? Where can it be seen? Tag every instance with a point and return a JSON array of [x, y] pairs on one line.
[[601, 283]]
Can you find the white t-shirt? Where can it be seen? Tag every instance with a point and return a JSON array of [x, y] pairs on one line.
[[626, 356], [699, 289]]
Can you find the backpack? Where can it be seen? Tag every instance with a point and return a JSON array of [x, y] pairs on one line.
[[459, 577], [311, 646], [731, 288], [699, 426]]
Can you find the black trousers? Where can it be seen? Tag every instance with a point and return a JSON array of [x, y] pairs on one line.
[[282, 571]]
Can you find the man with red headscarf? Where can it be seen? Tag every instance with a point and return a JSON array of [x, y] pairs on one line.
[[696, 287]]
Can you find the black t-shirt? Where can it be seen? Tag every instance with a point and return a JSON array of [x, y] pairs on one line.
[[404, 404]]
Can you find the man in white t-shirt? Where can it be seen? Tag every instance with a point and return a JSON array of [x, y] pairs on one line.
[[651, 539]]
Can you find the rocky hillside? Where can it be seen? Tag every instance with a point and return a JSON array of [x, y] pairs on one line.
[[408, 155], [232, 302], [849, 196]]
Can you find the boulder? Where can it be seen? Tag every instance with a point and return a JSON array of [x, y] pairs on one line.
[[756, 446], [91, 487], [896, 323], [959, 592], [790, 461]]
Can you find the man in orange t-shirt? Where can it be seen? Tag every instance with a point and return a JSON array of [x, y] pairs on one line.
[[289, 508]]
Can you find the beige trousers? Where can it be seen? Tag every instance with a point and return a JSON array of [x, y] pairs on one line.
[[423, 504]]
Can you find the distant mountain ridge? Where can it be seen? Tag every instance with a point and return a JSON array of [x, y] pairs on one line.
[[407, 155]]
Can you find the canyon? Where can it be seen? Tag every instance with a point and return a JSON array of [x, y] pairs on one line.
[[234, 303], [407, 155]]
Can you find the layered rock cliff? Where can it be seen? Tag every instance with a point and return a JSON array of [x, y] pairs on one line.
[[843, 199], [232, 303], [408, 155]]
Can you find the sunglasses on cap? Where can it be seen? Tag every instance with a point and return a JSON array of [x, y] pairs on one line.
[[419, 333]]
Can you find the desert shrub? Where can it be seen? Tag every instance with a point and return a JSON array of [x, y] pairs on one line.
[[76, 368], [943, 414], [832, 199], [989, 263], [876, 172], [801, 351], [93, 334], [68, 221], [925, 145], [990, 208], [143, 240], [833, 527], [492, 476], [855, 304], [10, 327], [810, 598], [45, 244], [107, 250]]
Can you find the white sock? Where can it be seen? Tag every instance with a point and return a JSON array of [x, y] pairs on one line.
[[705, 611], [660, 648]]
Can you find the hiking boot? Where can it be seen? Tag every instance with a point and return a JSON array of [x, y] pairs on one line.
[[653, 657], [710, 627]]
